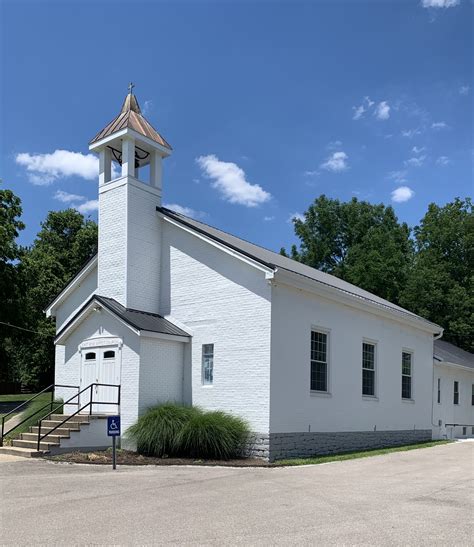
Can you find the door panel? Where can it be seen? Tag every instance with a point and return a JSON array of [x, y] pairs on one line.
[[88, 375], [102, 366], [108, 374]]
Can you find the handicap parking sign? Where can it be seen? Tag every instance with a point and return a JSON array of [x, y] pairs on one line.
[[113, 426]]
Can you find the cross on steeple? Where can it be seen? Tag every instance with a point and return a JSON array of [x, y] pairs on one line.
[[131, 85]]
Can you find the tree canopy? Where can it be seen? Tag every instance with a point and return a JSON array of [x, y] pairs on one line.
[[64, 243], [357, 241], [428, 270]]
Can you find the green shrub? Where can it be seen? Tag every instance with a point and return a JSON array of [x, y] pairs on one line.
[[156, 432], [177, 430], [213, 435]]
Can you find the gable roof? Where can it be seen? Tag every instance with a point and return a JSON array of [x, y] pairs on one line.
[[139, 320], [276, 261], [130, 117], [449, 353]]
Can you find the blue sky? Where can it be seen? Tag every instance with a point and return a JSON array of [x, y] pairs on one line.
[[266, 104]]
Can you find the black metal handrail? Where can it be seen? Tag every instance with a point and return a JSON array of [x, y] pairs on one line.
[[89, 404], [52, 387]]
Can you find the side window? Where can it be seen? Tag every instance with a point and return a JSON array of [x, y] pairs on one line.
[[406, 375], [109, 354], [456, 393], [319, 361], [439, 390], [208, 364], [90, 356], [472, 395], [368, 369]]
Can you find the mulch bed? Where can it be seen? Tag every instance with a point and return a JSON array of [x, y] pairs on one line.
[[125, 457]]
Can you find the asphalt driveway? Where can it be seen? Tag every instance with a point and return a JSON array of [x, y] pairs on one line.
[[421, 497]]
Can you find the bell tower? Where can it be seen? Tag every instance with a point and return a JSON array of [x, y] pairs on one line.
[[129, 150]]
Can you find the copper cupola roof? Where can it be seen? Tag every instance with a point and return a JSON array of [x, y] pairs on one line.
[[130, 117]]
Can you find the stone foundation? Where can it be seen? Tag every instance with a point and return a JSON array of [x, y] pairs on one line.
[[277, 446]]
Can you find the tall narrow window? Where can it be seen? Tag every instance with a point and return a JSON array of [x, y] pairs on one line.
[[439, 390], [406, 375], [208, 364], [319, 361], [368, 369], [472, 395], [456, 393]]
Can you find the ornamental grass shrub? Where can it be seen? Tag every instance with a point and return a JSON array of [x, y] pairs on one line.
[[213, 435], [184, 431]]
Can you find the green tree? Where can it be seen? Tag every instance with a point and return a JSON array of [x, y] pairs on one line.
[[62, 246], [10, 226], [357, 241], [440, 286]]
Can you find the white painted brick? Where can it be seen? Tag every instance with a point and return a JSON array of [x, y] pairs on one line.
[[225, 302]]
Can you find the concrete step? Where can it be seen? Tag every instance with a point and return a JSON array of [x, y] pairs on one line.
[[49, 424], [20, 443], [56, 439], [61, 431], [24, 452], [76, 418]]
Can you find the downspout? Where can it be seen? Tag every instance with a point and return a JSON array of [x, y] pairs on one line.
[[436, 337]]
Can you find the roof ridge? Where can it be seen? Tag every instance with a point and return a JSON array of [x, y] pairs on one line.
[[232, 235]]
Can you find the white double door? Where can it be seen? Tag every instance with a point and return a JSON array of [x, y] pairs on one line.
[[100, 366]]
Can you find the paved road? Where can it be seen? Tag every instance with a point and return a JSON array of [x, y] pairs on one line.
[[422, 497]]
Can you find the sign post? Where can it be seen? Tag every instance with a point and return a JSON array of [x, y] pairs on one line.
[[113, 430]]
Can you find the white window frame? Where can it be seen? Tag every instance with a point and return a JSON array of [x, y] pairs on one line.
[[411, 353], [205, 382], [327, 332], [375, 370]]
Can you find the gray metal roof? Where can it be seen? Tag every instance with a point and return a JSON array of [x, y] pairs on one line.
[[274, 260], [140, 320], [444, 351]]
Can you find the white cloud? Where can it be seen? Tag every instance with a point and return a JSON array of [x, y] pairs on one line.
[[268, 219], [439, 3], [402, 194], [88, 206], [443, 160], [295, 216], [398, 176], [336, 162], [464, 90], [147, 107], [382, 111], [66, 197], [358, 112], [415, 161], [439, 125], [229, 179], [333, 145], [314, 173], [417, 150], [183, 210], [43, 169], [410, 133]]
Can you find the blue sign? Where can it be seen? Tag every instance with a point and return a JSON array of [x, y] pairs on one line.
[[113, 426]]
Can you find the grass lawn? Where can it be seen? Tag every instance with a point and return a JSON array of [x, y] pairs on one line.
[[29, 411], [354, 455]]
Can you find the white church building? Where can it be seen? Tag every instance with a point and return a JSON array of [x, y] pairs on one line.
[[172, 309]]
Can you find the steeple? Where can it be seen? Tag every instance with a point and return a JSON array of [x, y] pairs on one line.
[[129, 228], [130, 117]]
